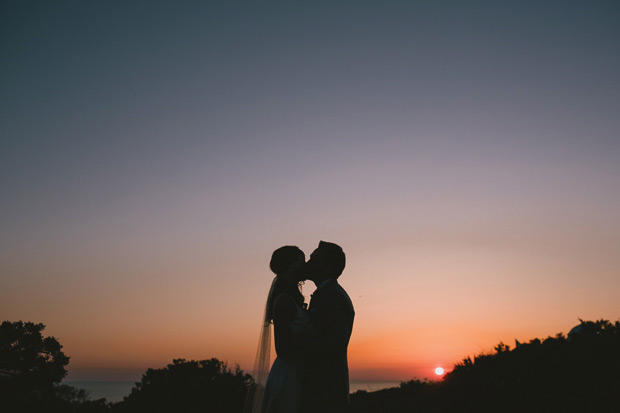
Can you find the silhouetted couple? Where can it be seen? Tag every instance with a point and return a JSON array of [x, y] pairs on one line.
[[310, 373]]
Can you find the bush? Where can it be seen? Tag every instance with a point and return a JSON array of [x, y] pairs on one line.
[[188, 386]]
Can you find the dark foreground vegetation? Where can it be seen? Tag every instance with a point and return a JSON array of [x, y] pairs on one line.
[[575, 373], [578, 373]]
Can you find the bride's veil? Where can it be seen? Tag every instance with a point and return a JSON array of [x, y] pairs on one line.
[[254, 398]]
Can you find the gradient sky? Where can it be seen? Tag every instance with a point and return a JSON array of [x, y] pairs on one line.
[[465, 154]]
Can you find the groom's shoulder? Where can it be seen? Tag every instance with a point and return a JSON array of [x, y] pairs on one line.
[[332, 289], [339, 291]]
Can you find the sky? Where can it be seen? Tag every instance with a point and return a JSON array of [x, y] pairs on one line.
[[465, 155]]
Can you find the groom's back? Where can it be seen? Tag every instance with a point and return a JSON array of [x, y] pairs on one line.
[[326, 379]]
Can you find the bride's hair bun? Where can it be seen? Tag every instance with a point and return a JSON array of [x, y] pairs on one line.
[[283, 257]]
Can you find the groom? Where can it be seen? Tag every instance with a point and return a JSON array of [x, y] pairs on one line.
[[326, 377]]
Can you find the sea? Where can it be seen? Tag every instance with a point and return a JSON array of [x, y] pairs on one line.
[[114, 391]]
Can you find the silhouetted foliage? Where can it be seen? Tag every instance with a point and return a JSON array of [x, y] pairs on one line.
[[574, 373], [26, 356], [423, 396], [30, 365], [578, 373], [71, 400], [31, 368], [188, 386]]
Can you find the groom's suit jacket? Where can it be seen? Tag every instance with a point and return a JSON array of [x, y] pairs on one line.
[[326, 377]]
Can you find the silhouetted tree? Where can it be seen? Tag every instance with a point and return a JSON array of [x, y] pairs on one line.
[[31, 368], [68, 399], [578, 373], [30, 365], [412, 396], [188, 386], [556, 374]]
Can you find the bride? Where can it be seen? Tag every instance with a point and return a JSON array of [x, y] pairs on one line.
[[285, 308]]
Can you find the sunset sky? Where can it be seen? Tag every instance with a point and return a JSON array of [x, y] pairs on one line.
[[465, 154]]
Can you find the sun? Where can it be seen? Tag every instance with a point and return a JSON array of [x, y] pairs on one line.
[[439, 371]]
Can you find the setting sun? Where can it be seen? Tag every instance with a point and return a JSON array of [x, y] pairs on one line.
[[439, 371]]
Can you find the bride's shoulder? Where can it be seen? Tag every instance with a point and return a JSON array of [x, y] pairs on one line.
[[284, 304]]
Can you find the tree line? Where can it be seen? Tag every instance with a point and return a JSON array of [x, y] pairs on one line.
[[577, 372]]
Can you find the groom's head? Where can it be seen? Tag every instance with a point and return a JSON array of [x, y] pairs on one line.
[[326, 262]]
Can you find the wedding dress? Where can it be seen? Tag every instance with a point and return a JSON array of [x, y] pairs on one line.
[[283, 388], [280, 390]]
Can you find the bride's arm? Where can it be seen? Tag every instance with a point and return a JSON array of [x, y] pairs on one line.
[[284, 313]]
